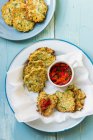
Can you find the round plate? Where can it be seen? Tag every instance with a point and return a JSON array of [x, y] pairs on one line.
[[5, 30], [61, 47]]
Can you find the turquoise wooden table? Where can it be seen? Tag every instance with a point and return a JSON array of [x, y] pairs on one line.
[[73, 21]]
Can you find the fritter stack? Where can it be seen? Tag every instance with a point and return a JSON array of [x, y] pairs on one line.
[[35, 69]]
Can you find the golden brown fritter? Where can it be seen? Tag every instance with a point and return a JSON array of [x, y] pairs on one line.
[[79, 97], [66, 101], [19, 20], [32, 65], [35, 81], [46, 103], [36, 10], [47, 55], [8, 8]]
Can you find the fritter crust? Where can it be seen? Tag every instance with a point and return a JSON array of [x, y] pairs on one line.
[[66, 101], [36, 10], [47, 55], [46, 103]]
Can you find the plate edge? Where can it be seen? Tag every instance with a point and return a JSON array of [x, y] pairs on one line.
[[26, 48]]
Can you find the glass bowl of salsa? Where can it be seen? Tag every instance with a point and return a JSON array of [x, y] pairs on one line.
[[60, 74]]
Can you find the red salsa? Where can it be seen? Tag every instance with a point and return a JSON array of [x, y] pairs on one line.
[[60, 73], [44, 104]]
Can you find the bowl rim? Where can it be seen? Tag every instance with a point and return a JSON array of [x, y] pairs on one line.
[[72, 77]]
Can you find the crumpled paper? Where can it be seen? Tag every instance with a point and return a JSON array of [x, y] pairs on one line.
[[24, 102]]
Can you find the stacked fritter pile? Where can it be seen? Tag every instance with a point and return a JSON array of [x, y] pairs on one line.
[[23, 15], [71, 100], [35, 70]]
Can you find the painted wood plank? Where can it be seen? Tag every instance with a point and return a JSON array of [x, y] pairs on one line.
[[73, 22], [86, 30], [67, 20], [87, 129], [71, 134], [30, 134], [2, 90], [5, 118]]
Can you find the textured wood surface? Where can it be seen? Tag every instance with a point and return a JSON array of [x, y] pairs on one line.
[[73, 21]]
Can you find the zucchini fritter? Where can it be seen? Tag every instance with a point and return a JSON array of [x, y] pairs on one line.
[[46, 103], [66, 101], [35, 81], [45, 54], [8, 8], [36, 10], [32, 65], [19, 20], [79, 97]]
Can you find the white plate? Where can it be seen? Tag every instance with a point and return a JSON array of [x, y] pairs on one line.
[[61, 47], [10, 33]]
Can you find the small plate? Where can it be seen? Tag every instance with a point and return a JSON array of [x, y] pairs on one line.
[[60, 47], [10, 33]]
